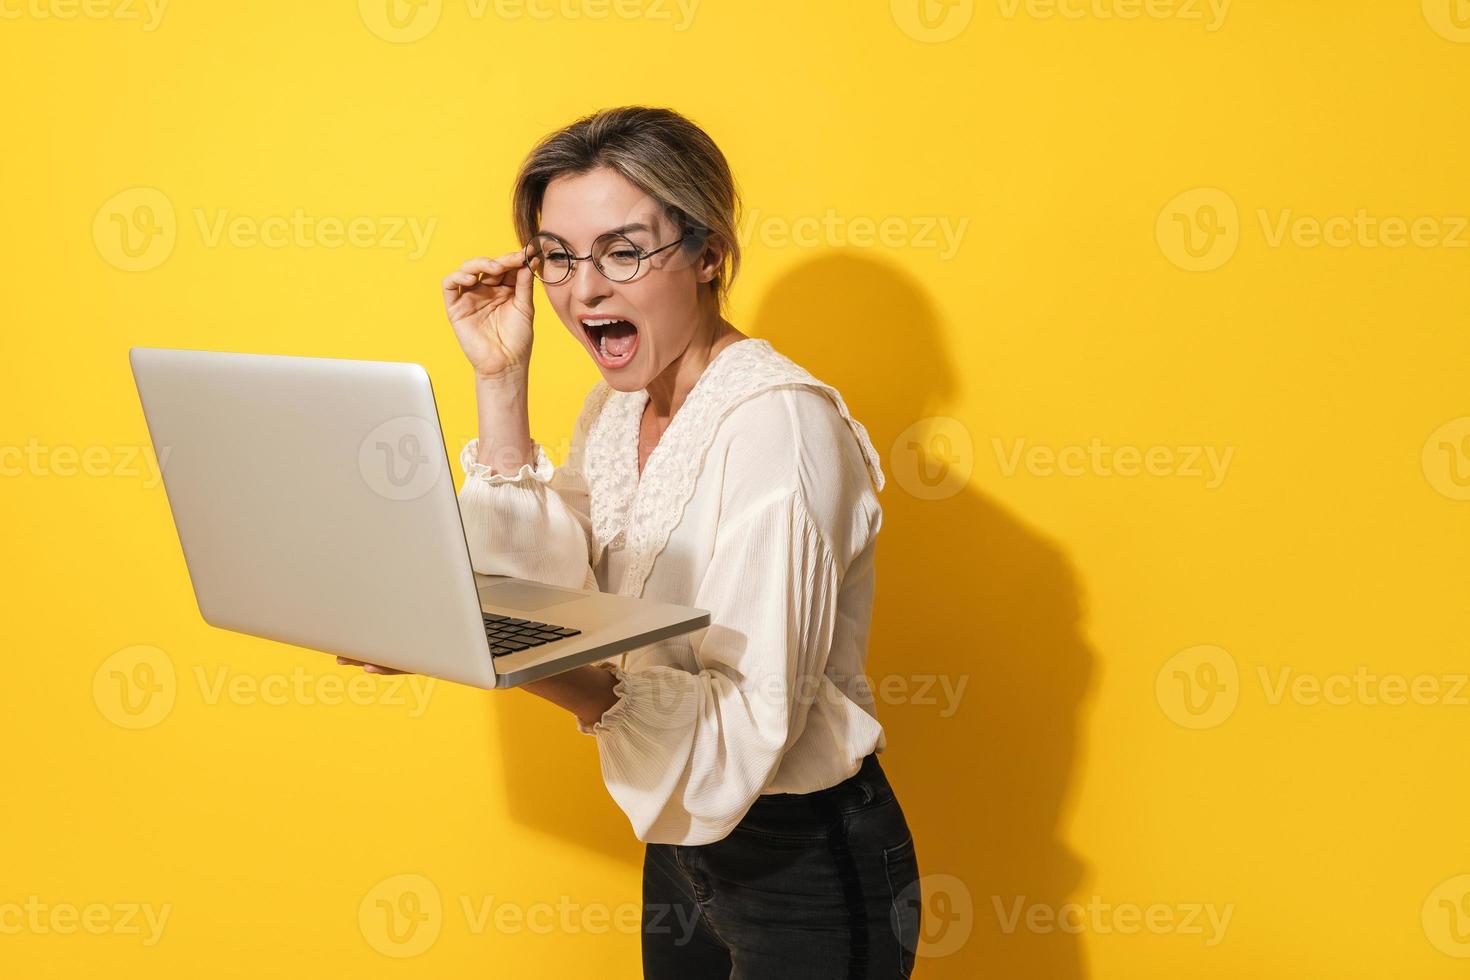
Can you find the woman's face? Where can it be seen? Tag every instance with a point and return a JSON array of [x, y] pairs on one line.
[[659, 310]]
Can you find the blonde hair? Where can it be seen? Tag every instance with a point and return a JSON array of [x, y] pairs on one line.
[[661, 153]]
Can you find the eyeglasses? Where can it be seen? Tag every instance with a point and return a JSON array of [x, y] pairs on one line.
[[615, 255]]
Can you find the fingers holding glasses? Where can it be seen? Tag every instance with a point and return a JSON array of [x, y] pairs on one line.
[[489, 304], [466, 277], [495, 272]]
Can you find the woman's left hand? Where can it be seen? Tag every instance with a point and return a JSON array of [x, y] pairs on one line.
[[370, 668]]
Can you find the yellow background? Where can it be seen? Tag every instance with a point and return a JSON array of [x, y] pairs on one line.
[[1081, 608]]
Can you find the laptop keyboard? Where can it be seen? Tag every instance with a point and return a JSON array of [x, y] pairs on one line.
[[508, 635]]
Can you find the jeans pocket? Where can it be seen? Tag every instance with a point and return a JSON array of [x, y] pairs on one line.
[[903, 886]]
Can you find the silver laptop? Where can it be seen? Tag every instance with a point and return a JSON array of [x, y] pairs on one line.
[[316, 506]]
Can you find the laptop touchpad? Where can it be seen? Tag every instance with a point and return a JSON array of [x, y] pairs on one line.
[[527, 596]]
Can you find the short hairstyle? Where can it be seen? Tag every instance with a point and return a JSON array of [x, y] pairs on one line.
[[659, 151]]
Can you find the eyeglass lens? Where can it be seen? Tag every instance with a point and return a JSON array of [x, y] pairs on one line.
[[615, 256]]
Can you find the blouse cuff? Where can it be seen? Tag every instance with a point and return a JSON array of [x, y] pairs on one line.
[[613, 716], [654, 705], [540, 468]]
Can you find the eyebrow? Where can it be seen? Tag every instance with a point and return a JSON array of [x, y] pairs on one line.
[[623, 229]]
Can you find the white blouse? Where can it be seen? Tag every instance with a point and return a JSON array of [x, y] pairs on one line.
[[759, 503]]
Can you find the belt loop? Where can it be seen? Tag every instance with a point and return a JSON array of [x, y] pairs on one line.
[[871, 774]]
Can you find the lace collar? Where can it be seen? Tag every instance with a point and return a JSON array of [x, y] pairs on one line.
[[647, 510]]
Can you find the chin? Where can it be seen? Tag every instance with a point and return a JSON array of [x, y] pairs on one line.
[[623, 381]]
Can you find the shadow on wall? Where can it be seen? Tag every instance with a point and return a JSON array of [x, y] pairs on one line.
[[966, 595], [976, 632]]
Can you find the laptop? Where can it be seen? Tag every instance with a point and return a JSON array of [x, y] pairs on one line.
[[315, 504]]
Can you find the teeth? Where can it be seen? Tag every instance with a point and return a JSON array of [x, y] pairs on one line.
[[602, 347], [598, 323]]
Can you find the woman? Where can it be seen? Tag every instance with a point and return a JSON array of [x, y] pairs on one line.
[[705, 469]]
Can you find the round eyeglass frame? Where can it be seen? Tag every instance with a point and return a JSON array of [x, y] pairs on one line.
[[575, 258]]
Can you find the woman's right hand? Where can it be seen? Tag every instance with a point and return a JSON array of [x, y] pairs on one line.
[[369, 668], [489, 305]]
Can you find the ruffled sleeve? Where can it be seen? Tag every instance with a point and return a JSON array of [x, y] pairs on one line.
[[685, 754], [534, 523]]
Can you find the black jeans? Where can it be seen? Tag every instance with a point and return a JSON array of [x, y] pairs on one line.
[[808, 886]]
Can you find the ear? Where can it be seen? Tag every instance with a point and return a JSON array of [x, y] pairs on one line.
[[711, 258]]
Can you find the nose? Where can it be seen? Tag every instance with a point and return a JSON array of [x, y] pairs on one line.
[[589, 285]]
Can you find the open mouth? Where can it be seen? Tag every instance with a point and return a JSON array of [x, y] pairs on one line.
[[614, 340]]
